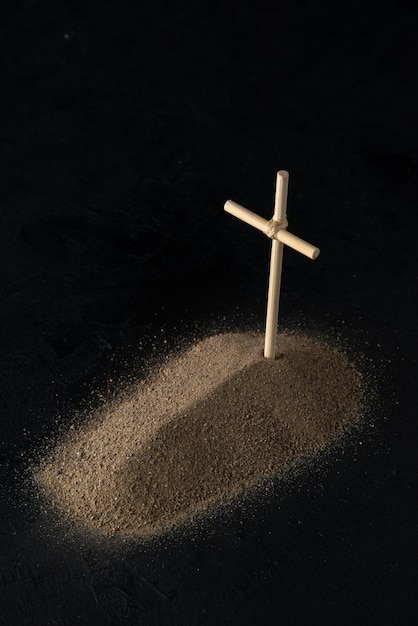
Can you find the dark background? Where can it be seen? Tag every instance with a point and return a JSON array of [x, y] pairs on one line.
[[124, 126]]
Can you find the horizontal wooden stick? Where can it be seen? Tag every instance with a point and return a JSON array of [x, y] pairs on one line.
[[298, 244], [247, 216]]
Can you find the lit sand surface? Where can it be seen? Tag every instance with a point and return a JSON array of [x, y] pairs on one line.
[[205, 427]]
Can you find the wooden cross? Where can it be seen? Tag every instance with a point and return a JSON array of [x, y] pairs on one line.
[[276, 230]]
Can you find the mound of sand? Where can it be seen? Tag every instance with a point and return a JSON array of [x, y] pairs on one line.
[[200, 430]]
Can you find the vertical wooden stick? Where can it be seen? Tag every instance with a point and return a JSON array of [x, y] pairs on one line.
[[282, 183]]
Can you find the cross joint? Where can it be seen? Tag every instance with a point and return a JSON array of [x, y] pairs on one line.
[[273, 226]]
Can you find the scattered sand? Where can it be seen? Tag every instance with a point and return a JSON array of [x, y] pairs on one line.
[[200, 430]]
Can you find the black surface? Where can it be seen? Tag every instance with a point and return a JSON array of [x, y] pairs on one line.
[[123, 129]]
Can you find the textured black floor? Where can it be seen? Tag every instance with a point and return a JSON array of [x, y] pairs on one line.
[[123, 129]]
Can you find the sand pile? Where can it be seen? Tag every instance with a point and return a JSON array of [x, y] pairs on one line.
[[203, 428]]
